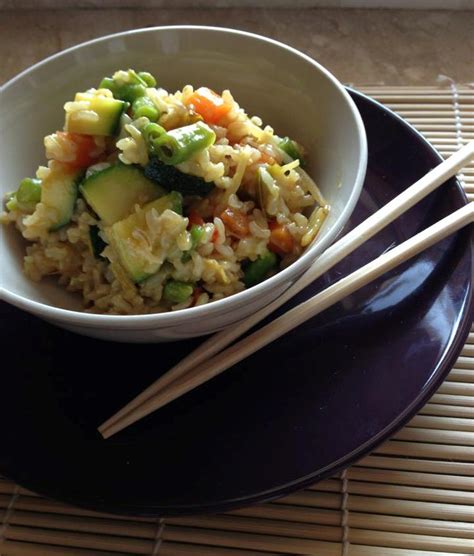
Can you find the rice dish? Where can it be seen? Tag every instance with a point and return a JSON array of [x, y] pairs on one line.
[[154, 201]]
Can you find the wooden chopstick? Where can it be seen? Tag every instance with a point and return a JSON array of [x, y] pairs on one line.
[[327, 260], [299, 314]]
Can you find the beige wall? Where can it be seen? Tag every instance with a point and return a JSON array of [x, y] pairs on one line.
[[420, 4]]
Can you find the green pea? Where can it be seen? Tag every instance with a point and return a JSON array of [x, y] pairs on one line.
[[177, 292], [258, 270], [196, 234]]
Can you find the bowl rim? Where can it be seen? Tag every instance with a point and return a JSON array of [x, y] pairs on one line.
[[173, 318]]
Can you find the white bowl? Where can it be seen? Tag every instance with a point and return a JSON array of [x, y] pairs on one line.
[[287, 89]]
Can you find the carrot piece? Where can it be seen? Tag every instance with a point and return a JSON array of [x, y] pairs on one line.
[[281, 241], [85, 146], [208, 104], [264, 157], [236, 221]]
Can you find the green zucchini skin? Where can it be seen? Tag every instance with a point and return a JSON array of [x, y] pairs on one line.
[[173, 179]]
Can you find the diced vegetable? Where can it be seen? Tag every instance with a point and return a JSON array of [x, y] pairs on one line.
[[147, 78], [173, 179], [28, 194], [281, 241], [151, 132], [177, 145], [195, 219], [266, 158], [140, 264], [127, 92], [197, 233], [113, 192], [86, 149], [144, 107], [177, 292], [59, 192], [197, 292], [208, 104], [97, 243], [268, 191], [105, 112], [258, 270], [130, 90], [235, 221], [10, 201], [292, 149]]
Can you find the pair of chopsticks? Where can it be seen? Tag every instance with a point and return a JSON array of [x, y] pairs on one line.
[[211, 358]]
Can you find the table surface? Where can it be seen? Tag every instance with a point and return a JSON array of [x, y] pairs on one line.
[[366, 47]]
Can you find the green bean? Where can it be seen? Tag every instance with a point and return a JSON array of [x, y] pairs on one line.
[[136, 78], [258, 270], [151, 132], [292, 150], [28, 194], [149, 80], [176, 291], [179, 144], [143, 106], [123, 91]]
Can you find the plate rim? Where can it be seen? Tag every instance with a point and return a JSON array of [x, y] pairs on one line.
[[443, 368]]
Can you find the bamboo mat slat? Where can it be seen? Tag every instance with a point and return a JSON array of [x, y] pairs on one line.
[[413, 496]]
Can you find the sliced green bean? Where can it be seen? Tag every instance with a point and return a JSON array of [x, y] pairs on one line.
[[292, 150], [178, 145], [143, 106], [148, 78], [124, 91], [151, 132]]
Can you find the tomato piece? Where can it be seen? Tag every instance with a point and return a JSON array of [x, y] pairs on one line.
[[195, 219], [196, 293], [208, 104], [236, 221], [85, 146], [281, 241]]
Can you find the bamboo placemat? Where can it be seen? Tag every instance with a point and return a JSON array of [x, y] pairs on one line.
[[414, 496]]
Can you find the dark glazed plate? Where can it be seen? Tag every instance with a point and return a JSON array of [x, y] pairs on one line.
[[296, 412]]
